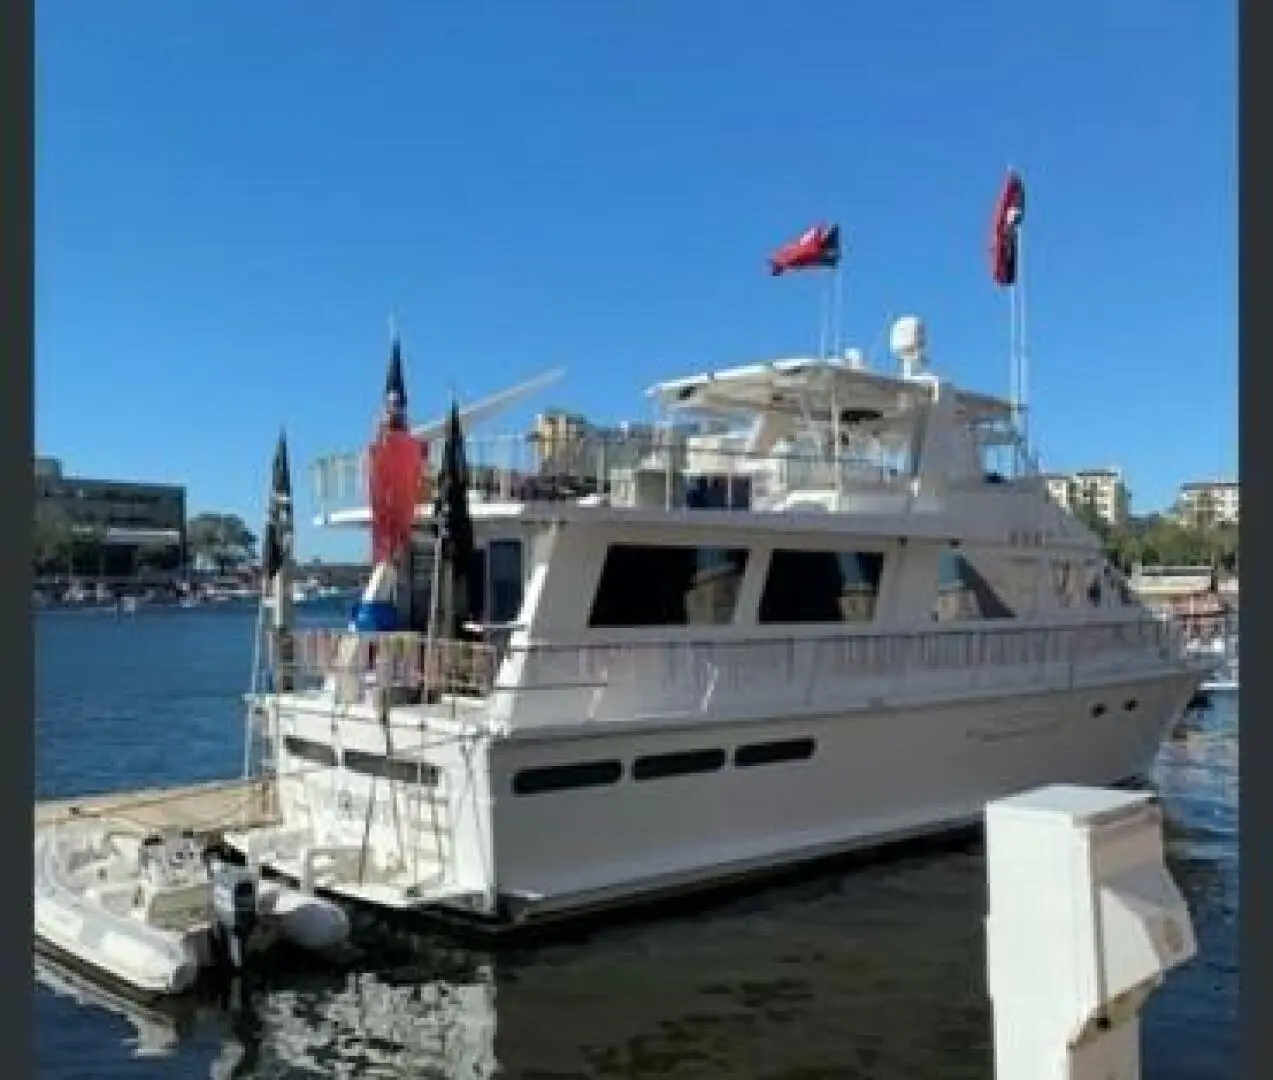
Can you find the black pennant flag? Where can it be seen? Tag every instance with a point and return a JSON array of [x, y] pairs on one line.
[[277, 546]]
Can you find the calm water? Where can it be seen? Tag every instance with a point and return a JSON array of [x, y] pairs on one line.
[[875, 973]]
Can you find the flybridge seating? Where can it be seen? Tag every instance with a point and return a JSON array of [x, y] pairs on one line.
[[759, 438]]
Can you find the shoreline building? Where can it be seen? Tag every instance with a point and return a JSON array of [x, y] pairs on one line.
[[1210, 502], [125, 522], [1101, 489]]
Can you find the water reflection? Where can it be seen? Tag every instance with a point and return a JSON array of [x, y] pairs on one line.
[[874, 973], [1191, 1025]]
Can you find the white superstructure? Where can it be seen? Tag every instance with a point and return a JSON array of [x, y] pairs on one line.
[[840, 610]]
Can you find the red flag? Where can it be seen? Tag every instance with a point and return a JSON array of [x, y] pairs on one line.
[[815, 247], [1009, 210], [396, 463]]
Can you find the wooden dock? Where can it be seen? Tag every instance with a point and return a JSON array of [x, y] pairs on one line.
[[205, 808]]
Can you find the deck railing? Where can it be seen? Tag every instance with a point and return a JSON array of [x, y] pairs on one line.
[[629, 470], [410, 664], [405, 663]]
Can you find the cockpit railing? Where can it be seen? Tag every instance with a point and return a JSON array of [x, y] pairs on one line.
[[407, 665]]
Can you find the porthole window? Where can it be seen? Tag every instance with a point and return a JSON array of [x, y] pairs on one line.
[[679, 763], [773, 753], [579, 774]]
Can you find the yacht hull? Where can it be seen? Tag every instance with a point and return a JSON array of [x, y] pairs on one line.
[[877, 777]]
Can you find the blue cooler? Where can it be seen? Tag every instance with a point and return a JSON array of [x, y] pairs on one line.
[[378, 617]]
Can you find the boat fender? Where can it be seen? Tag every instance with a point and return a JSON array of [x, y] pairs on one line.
[[234, 911]]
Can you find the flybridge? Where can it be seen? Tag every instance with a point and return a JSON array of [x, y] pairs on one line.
[[757, 436], [804, 385]]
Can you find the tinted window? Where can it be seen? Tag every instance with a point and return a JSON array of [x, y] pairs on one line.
[[493, 585], [421, 577], [771, 753], [821, 587], [657, 766], [477, 585], [962, 593], [405, 772], [581, 774], [317, 753], [504, 568], [668, 586], [718, 493]]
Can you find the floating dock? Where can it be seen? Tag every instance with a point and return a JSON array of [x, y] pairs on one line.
[[205, 808]]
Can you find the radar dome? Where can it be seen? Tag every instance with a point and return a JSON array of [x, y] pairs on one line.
[[908, 340]]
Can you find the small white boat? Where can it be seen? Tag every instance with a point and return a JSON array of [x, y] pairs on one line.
[[151, 913]]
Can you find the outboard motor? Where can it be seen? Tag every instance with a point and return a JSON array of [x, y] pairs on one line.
[[191, 849], [234, 911], [152, 859]]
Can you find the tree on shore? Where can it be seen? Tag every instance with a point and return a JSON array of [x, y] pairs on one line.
[[52, 541], [1155, 540], [222, 539]]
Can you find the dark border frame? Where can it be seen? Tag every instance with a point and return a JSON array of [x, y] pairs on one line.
[[1255, 351], [16, 324], [17, 251]]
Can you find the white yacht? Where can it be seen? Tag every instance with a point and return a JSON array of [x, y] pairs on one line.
[[822, 608]]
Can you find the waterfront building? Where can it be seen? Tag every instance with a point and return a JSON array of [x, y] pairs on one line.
[[1101, 489], [123, 518], [1210, 502]]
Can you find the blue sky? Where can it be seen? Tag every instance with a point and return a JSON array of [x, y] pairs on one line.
[[231, 198]]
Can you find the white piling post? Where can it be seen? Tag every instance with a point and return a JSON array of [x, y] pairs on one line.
[[1083, 925]]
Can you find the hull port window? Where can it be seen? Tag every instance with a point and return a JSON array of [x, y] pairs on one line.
[[773, 753], [404, 772], [682, 763], [821, 587], [581, 774], [667, 586], [962, 593], [1131, 705], [314, 753], [1098, 711]]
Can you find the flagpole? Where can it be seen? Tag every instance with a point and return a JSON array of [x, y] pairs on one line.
[[838, 307], [1014, 390], [1022, 358], [823, 320]]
